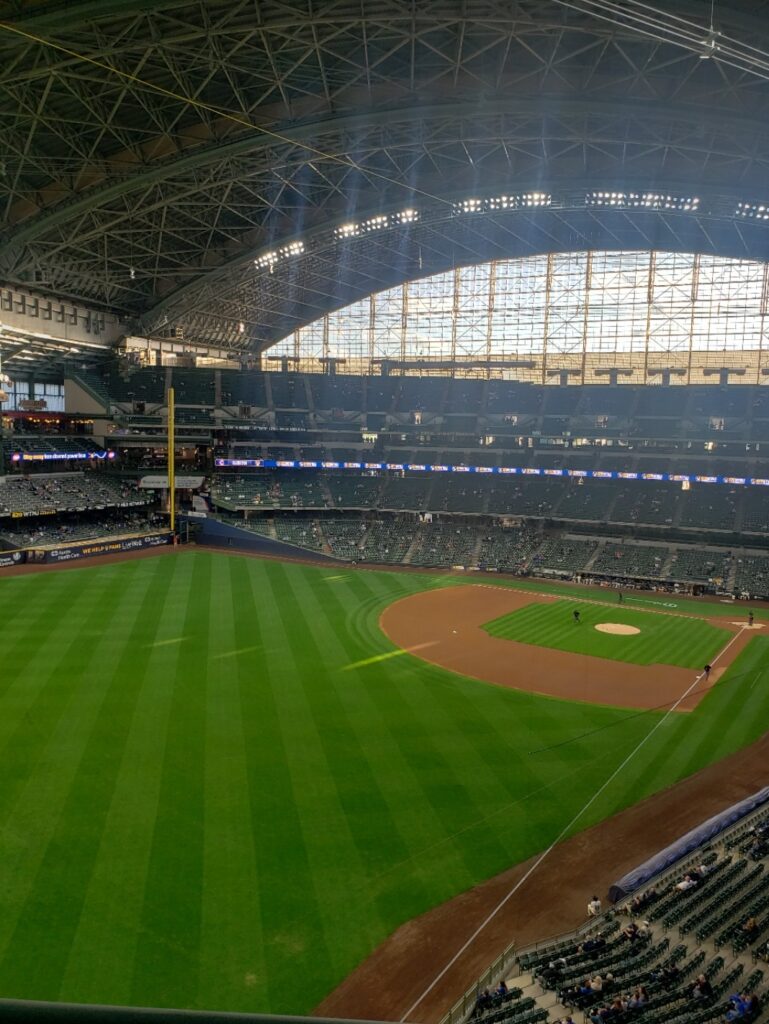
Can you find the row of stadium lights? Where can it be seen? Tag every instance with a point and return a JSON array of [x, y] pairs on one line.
[[514, 201], [755, 210]]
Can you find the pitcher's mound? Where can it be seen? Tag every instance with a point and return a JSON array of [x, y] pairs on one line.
[[617, 628]]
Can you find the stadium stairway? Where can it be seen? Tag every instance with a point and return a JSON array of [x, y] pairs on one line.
[[731, 579], [610, 509], [667, 565], [93, 385], [739, 517], [590, 562], [415, 545], [678, 512], [308, 395]]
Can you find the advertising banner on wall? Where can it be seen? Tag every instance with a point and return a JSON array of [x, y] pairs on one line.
[[89, 549], [10, 558], [182, 483], [102, 547]]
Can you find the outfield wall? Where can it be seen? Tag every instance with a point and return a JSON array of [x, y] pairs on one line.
[[86, 549], [216, 534]]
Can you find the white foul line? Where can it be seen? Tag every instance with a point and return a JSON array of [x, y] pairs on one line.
[[505, 899]]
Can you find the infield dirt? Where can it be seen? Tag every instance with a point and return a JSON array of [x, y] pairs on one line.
[[448, 622]]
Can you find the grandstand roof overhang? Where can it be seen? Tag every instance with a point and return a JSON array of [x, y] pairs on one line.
[[119, 191]]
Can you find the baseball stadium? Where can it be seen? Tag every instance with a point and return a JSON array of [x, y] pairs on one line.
[[384, 522]]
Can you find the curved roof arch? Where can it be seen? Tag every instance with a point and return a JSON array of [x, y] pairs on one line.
[[630, 313], [331, 272], [142, 179]]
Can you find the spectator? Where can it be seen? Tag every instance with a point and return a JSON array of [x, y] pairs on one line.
[[579, 992], [592, 945], [666, 975], [686, 883], [701, 989], [594, 907], [483, 1002], [639, 998], [751, 928], [642, 900], [740, 1003]]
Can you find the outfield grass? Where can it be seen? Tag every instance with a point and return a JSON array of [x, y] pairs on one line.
[[202, 806], [665, 639]]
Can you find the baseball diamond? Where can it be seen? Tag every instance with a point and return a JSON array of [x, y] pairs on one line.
[[384, 511], [232, 748]]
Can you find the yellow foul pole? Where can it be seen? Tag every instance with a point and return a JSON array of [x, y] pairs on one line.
[[171, 460]]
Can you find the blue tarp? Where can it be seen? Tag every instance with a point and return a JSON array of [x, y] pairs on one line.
[[682, 847]]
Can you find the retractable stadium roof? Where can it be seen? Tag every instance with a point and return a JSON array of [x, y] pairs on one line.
[[238, 168]]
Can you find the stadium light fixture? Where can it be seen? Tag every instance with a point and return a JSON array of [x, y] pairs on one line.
[[375, 223], [511, 201], [268, 259], [756, 211], [647, 200], [351, 229]]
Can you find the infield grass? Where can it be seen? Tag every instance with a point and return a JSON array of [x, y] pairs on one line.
[[203, 806], [664, 638]]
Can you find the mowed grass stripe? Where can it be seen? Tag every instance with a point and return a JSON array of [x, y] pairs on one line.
[[410, 814], [538, 790], [288, 904], [277, 849], [369, 812], [48, 830], [38, 690], [27, 616], [732, 715], [232, 967], [663, 639], [167, 955], [28, 648], [486, 783], [631, 598], [100, 968], [305, 715], [370, 795], [40, 695], [407, 702]]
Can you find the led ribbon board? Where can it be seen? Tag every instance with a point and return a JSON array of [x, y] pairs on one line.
[[60, 456], [418, 467]]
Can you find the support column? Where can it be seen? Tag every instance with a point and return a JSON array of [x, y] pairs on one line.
[[172, 459]]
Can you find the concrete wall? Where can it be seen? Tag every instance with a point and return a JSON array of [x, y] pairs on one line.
[[24, 310]]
